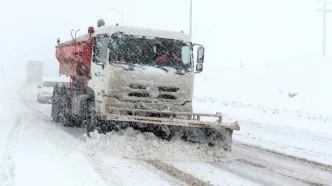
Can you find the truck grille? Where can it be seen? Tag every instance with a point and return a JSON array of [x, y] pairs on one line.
[[166, 96], [153, 92], [137, 86], [139, 94], [168, 89]]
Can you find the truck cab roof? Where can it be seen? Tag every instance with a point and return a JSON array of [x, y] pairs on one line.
[[111, 29]]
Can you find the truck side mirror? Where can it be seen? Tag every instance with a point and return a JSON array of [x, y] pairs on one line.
[[199, 67], [200, 55]]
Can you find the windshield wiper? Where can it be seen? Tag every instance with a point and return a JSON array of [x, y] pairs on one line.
[[178, 69], [161, 68], [130, 65]]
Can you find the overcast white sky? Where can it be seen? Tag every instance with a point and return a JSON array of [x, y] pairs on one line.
[[253, 31]]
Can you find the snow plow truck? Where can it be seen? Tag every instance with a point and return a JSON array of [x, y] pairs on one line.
[[144, 78]]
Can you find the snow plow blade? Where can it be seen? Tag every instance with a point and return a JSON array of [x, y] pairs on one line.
[[193, 122], [192, 127]]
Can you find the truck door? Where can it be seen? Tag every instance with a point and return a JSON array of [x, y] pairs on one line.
[[98, 79]]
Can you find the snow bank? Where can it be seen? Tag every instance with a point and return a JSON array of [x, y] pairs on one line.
[[133, 144], [304, 135], [258, 97], [252, 112], [271, 86]]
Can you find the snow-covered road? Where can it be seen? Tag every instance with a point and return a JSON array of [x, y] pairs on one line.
[[37, 151], [258, 97], [299, 134]]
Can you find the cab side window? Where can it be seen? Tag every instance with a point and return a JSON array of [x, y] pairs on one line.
[[100, 49]]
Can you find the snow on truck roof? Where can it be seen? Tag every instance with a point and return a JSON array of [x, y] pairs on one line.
[[111, 29]]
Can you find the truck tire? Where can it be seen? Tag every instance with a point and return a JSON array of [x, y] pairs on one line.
[[65, 106], [55, 104]]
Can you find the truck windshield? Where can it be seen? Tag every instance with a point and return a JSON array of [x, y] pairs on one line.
[[150, 51]]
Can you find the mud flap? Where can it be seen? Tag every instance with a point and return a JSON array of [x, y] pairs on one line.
[[91, 121]]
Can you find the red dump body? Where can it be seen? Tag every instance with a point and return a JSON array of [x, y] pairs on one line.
[[75, 59]]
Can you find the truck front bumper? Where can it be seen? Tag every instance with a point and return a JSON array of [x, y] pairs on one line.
[[169, 118]]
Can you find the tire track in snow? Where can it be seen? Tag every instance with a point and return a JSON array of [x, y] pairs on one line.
[[305, 178], [191, 180], [315, 148], [238, 173], [160, 166], [322, 166], [297, 149], [105, 170], [177, 173], [289, 166], [8, 159], [108, 179]]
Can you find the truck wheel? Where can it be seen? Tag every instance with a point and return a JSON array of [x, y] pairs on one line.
[[55, 105], [68, 120], [61, 104], [65, 106]]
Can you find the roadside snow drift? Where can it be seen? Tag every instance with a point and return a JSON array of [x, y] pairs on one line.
[[271, 86], [258, 97]]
